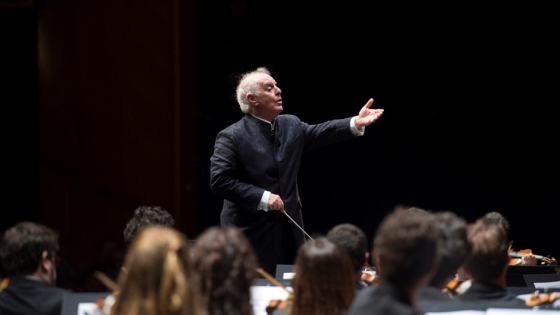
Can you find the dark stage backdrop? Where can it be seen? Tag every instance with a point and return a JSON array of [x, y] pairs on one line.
[[469, 96], [115, 104]]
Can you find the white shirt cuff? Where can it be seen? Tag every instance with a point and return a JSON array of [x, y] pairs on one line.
[[355, 130], [263, 205]]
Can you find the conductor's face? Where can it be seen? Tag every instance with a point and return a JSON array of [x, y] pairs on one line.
[[268, 101]]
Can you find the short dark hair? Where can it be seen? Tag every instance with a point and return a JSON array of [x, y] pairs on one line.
[[406, 246], [489, 256], [454, 246], [145, 216], [353, 240], [22, 247], [497, 218]]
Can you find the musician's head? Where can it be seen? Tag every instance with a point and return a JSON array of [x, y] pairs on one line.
[[146, 216], [225, 267], [157, 276], [454, 247], [353, 240], [324, 282], [405, 249], [489, 258], [30, 249], [257, 93], [498, 219]]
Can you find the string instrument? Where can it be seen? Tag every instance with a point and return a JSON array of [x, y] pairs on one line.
[[369, 275], [535, 299], [516, 257], [452, 287], [4, 283], [104, 305], [276, 304]]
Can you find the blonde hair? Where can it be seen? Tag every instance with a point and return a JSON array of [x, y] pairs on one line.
[[157, 276]]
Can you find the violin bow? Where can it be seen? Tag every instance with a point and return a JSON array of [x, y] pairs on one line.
[[271, 279], [284, 212], [112, 285]]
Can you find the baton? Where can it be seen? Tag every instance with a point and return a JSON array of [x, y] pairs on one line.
[[284, 212]]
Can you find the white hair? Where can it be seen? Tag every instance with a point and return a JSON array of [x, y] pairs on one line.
[[247, 86]]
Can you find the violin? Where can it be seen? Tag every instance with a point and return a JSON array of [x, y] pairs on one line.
[[452, 287], [104, 305], [276, 304], [369, 275], [546, 298], [516, 257], [4, 283], [279, 304]]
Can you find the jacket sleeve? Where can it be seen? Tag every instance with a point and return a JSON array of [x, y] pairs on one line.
[[327, 133], [224, 176]]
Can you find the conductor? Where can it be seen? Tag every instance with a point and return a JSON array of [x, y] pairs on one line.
[[256, 161]]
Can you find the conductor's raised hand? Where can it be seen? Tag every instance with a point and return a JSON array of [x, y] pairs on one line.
[[275, 202], [367, 116]]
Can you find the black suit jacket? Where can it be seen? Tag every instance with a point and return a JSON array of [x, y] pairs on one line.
[[383, 299], [25, 296], [249, 158], [490, 294], [430, 293]]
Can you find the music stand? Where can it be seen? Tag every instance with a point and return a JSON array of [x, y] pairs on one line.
[[70, 301], [283, 272]]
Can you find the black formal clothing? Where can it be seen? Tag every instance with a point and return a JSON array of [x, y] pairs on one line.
[[432, 299], [25, 296], [490, 293], [360, 285], [430, 293], [383, 299], [250, 158]]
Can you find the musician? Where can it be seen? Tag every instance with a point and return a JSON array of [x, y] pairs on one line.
[[405, 253], [500, 220], [28, 255], [487, 266], [146, 216], [157, 277], [225, 268], [323, 284], [454, 247], [256, 161], [353, 240]]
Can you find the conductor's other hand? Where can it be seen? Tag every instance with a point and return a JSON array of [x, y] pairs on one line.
[[275, 202], [367, 115]]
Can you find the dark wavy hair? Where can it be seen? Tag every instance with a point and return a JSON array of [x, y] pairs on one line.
[[22, 246], [146, 216], [225, 268]]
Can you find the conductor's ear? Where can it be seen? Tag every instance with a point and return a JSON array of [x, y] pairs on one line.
[[252, 99]]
